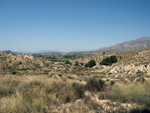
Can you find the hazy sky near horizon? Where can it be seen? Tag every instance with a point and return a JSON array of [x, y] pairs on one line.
[[71, 25]]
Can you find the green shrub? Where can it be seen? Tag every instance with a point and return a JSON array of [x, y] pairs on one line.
[[81, 64], [109, 60], [139, 73], [86, 65], [112, 82], [76, 63], [14, 72], [91, 63], [67, 62]]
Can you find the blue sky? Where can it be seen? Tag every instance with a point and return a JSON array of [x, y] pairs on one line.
[[71, 25]]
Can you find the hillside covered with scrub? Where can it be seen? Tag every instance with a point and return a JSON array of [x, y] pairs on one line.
[[114, 82]]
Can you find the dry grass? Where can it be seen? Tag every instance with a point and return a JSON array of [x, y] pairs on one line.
[[24, 94], [43, 94], [32, 94], [135, 92]]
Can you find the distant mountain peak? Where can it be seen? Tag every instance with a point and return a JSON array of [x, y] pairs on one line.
[[48, 51], [140, 43], [144, 38], [8, 51]]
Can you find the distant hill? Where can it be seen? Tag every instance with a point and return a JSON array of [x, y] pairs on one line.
[[128, 46], [9, 51], [47, 52], [39, 52], [10, 61]]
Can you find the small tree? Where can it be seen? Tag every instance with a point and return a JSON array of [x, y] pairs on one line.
[[76, 63], [67, 62], [91, 63], [109, 60]]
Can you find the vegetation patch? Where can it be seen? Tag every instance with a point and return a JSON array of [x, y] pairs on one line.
[[109, 60], [94, 84], [135, 92], [68, 62], [19, 69], [90, 64]]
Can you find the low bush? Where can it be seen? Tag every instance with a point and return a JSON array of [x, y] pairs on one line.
[[109, 60], [79, 89], [91, 63], [6, 90], [95, 85], [68, 62], [76, 63], [112, 82]]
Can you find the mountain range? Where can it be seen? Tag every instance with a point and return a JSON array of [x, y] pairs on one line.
[[140, 43]]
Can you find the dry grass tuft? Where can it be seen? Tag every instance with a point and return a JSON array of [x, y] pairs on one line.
[[135, 92]]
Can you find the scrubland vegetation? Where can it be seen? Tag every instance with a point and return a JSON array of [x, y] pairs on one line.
[[134, 92], [46, 94], [91, 63], [83, 85], [58, 57], [109, 60], [40, 93]]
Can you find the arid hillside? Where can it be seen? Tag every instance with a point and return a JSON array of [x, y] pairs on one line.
[[81, 85], [140, 43], [129, 62]]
